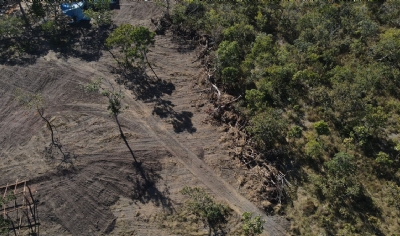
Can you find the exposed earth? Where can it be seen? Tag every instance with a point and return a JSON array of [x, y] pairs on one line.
[[99, 190]]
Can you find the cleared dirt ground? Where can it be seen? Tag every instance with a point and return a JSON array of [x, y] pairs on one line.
[[100, 191]]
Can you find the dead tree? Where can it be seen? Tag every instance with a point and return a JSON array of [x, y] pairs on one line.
[[35, 101]]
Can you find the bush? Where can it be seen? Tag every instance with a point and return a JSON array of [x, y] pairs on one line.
[[322, 128], [383, 159], [295, 132], [228, 54], [189, 14], [203, 205], [341, 177], [313, 149], [268, 128], [230, 76], [50, 27], [11, 26], [252, 226], [241, 33], [255, 99]]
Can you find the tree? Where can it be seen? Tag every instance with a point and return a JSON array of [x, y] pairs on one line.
[[241, 33], [114, 106], [314, 149], [341, 177], [252, 225], [36, 101], [388, 47], [268, 128], [322, 128], [37, 9], [133, 43], [203, 205], [10, 27], [295, 132], [394, 192], [99, 12], [228, 55], [383, 159], [262, 54]]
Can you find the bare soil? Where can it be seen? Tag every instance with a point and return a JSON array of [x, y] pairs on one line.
[[99, 190]]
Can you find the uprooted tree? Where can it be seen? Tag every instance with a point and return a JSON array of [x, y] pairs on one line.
[[114, 105]]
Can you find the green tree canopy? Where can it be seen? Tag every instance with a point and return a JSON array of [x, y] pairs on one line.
[[132, 41], [252, 225], [204, 206]]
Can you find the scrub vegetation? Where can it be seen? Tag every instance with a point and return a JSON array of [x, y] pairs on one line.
[[320, 83]]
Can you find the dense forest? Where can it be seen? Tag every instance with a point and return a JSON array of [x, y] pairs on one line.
[[320, 81]]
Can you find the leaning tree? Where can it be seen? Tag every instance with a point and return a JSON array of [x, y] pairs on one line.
[[114, 105]]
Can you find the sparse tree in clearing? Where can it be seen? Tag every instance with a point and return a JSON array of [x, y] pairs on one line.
[[203, 206], [133, 43], [252, 225], [35, 101], [114, 105]]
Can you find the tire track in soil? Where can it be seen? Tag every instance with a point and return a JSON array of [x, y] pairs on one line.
[[205, 174], [75, 189], [172, 62], [188, 158]]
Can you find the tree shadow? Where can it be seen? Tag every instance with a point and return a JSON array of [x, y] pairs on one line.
[[151, 89], [146, 88], [185, 45], [22, 50], [145, 186], [83, 41], [181, 121], [80, 40], [372, 148], [55, 155], [362, 207]]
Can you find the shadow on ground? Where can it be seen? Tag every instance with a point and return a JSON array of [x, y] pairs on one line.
[[146, 190], [153, 89], [181, 121], [80, 40]]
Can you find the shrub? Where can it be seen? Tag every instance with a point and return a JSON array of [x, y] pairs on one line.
[[295, 132], [268, 128], [252, 225], [383, 159], [313, 149], [203, 205], [322, 128]]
